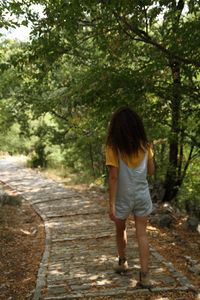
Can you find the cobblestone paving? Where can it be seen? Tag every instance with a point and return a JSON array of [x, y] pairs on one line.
[[80, 243]]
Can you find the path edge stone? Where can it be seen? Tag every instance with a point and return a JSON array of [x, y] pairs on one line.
[[185, 283], [42, 271]]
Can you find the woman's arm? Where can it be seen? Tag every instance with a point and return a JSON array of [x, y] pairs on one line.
[[150, 167], [112, 184]]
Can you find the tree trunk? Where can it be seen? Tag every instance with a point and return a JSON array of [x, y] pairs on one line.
[[92, 160], [171, 180]]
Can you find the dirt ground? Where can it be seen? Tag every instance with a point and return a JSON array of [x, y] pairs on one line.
[[22, 245], [21, 248]]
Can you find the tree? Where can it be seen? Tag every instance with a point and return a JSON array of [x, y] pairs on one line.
[[162, 28], [155, 41]]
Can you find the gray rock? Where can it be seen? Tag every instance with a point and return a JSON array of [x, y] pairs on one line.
[[195, 269], [154, 220], [168, 208], [192, 223], [165, 221], [2, 197]]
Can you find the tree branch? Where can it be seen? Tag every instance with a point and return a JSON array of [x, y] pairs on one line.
[[146, 38], [187, 164], [59, 116], [124, 30]]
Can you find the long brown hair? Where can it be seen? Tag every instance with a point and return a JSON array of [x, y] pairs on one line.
[[126, 132]]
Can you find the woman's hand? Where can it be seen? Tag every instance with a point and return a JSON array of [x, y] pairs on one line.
[[112, 215]]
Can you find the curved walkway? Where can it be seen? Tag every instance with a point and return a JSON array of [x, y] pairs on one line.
[[80, 243]]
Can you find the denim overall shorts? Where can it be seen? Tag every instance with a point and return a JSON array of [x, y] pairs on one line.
[[133, 195]]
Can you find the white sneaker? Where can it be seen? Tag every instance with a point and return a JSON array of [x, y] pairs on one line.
[[121, 266]]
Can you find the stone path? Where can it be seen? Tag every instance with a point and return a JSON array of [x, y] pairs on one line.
[[80, 243]]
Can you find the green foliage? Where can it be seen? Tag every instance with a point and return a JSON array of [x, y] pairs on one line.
[[40, 151], [39, 158], [13, 142], [87, 58], [189, 196]]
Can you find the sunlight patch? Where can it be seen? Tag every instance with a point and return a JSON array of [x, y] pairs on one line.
[[25, 232]]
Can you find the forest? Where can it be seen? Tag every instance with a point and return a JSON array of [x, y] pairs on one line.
[[82, 61]]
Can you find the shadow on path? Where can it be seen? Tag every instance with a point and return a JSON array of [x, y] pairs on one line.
[[80, 243]]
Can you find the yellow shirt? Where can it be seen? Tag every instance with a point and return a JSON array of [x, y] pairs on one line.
[[132, 161]]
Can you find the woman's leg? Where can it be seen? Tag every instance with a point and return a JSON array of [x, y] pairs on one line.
[[141, 234], [121, 237]]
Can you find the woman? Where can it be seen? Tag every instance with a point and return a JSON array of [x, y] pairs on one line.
[[129, 158]]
